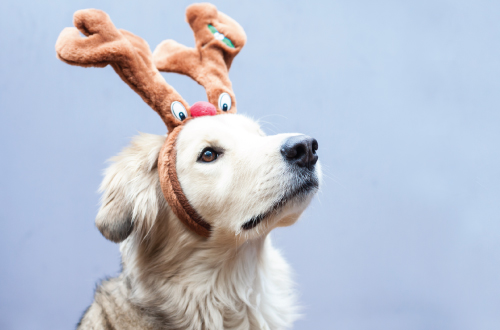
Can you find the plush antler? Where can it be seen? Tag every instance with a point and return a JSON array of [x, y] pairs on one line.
[[129, 56], [218, 40]]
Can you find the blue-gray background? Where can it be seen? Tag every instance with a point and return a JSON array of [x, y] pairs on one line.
[[403, 97]]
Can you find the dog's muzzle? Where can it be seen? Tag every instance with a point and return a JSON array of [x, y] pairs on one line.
[[300, 153]]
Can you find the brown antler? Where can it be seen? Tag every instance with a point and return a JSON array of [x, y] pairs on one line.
[[128, 54], [218, 40]]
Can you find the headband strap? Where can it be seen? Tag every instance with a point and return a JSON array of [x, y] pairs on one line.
[[172, 189]]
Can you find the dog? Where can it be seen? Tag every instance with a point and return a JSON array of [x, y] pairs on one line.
[[193, 210], [175, 279]]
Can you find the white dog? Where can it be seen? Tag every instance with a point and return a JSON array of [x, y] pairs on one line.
[[173, 278], [192, 211]]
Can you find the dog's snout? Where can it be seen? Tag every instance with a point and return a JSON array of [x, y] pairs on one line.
[[300, 150]]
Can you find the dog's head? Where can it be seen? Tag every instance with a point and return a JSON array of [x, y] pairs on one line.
[[241, 181], [220, 175]]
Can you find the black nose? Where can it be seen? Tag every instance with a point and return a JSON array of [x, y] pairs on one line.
[[300, 150]]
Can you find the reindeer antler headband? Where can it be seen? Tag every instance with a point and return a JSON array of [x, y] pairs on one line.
[[218, 40]]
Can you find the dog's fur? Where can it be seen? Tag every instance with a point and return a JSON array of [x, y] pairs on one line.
[[175, 279]]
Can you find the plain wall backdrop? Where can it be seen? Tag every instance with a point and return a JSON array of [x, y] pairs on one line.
[[403, 97]]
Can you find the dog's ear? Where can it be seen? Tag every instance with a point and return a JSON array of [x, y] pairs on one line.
[[114, 219], [131, 189]]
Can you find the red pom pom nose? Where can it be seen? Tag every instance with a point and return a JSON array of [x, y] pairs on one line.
[[202, 108]]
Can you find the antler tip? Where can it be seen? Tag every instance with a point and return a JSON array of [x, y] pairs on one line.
[[196, 10], [62, 42], [91, 21], [165, 52]]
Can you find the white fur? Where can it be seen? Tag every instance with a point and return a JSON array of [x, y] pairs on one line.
[[235, 279]]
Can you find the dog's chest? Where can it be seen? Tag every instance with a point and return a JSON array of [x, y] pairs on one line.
[[250, 289]]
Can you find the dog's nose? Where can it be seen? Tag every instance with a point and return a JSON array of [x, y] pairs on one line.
[[300, 150]]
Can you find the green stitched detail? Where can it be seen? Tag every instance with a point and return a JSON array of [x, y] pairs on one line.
[[212, 28], [228, 42], [220, 36]]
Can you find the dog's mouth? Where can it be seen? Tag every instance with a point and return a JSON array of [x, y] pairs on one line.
[[301, 191]]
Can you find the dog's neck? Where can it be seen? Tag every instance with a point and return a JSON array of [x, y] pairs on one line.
[[190, 284]]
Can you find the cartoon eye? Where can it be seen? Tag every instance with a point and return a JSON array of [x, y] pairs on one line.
[[225, 102], [178, 110]]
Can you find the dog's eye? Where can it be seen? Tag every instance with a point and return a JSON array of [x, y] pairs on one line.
[[225, 102], [208, 155], [178, 110]]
